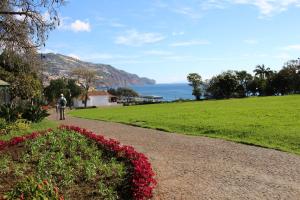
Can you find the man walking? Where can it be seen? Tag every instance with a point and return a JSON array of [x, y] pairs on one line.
[[62, 105]]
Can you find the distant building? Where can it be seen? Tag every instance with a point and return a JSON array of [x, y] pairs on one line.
[[4, 94], [96, 98]]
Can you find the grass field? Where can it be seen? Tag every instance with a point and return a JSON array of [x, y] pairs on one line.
[[272, 122]]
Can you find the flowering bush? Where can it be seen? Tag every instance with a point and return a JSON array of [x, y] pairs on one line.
[[143, 181]]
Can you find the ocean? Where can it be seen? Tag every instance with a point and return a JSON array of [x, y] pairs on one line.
[[169, 92]]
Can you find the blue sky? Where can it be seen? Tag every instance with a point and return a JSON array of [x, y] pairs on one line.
[[167, 39]]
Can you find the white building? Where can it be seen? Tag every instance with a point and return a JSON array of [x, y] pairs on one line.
[[96, 98]]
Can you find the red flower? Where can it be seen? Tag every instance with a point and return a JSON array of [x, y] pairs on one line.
[[143, 181]]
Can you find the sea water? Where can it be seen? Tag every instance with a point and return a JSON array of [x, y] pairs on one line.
[[169, 92]]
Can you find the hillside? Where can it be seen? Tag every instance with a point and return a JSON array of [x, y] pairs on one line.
[[57, 65]]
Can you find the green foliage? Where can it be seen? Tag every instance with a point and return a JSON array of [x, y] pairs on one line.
[[18, 125], [65, 86], [69, 161], [223, 86], [123, 92], [3, 124], [43, 125], [32, 188], [266, 121], [10, 112], [23, 78], [195, 81], [34, 113]]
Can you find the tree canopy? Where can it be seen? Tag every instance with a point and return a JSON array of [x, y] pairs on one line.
[[265, 82], [24, 24], [65, 86], [123, 92], [24, 80], [195, 81]]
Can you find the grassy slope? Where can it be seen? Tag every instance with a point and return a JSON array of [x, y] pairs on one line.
[[272, 122], [43, 125]]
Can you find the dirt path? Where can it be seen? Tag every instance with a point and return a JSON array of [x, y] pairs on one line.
[[190, 167]]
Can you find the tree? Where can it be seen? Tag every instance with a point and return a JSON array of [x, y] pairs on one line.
[[195, 81], [24, 24], [68, 87], [24, 81], [86, 78], [223, 86], [123, 92], [243, 79], [262, 72]]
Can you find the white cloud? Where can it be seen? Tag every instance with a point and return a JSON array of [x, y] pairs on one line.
[[292, 47], [190, 43], [135, 38], [269, 7], [78, 26], [251, 41]]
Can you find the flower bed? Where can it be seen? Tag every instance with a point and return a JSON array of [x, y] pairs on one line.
[[142, 181], [143, 176]]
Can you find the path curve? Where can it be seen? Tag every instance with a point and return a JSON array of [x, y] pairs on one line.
[[190, 167]]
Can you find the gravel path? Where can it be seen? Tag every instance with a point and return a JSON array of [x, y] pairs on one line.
[[190, 167]]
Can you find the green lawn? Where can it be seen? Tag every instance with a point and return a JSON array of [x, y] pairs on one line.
[[272, 122], [43, 125]]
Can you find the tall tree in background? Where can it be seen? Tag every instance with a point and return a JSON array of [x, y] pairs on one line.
[[262, 72], [86, 78], [195, 81], [243, 79], [68, 87]]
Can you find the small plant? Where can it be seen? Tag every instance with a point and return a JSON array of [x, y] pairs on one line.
[[34, 189]]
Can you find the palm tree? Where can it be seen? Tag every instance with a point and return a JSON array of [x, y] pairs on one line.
[[262, 71]]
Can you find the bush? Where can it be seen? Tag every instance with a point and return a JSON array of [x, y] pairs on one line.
[[34, 113], [10, 112], [18, 125]]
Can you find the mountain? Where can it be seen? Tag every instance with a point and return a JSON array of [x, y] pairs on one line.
[[57, 65]]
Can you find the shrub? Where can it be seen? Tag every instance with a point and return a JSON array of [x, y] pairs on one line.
[[18, 125], [10, 112], [34, 189], [34, 113]]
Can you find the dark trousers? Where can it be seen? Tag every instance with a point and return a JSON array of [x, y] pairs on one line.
[[62, 113]]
